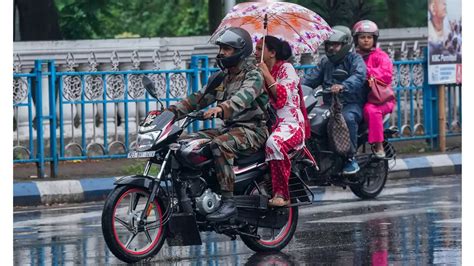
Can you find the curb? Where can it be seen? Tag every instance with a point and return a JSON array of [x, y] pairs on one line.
[[441, 164], [61, 191], [96, 189]]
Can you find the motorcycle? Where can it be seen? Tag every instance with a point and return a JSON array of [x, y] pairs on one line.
[[144, 211], [371, 178]]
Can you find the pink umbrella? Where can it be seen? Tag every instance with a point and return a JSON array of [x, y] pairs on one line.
[[302, 28]]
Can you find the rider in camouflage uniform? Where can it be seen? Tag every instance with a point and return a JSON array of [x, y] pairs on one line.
[[241, 103]]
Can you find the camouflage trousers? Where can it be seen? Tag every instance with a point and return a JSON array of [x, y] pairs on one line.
[[229, 143]]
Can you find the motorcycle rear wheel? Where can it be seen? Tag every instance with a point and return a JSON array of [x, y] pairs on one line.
[[376, 175], [126, 239], [271, 239]]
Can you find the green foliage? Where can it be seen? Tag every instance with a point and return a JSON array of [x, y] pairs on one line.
[[80, 19], [386, 13], [92, 19], [138, 168]]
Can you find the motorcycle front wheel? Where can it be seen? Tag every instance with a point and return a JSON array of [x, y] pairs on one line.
[[128, 238], [271, 239]]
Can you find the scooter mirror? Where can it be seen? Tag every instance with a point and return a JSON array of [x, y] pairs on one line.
[[149, 86]]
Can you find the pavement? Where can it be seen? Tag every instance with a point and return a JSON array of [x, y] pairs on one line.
[[77, 187]]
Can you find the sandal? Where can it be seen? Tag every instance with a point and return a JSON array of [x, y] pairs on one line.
[[278, 201]]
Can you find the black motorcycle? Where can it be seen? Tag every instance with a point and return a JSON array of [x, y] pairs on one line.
[[143, 211], [371, 178]]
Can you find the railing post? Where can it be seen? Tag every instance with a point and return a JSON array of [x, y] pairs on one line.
[[430, 108], [204, 78], [52, 119], [441, 118], [39, 119], [195, 67]]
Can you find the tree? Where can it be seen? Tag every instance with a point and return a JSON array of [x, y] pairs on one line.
[[215, 14], [107, 19], [407, 13], [83, 19], [93, 19], [38, 20], [386, 13]]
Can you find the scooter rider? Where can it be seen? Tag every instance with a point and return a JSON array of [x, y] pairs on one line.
[[339, 55], [241, 103]]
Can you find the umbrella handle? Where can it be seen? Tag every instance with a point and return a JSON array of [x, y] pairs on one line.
[[263, 49], [265, 23]]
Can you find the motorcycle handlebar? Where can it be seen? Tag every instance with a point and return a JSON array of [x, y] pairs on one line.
[[327, 90], [197, 115]]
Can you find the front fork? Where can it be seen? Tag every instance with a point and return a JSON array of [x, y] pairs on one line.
[[156, 184]]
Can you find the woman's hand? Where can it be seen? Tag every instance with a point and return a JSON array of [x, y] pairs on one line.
[[265, 71]]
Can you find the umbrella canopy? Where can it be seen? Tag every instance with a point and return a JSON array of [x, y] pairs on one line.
[[302, 28]]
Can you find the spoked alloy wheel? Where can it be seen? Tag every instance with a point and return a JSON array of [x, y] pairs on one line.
[[128, 238], [272, 239], [375, 173]]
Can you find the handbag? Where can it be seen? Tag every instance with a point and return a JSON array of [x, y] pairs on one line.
[[380, 92], [338, 132]]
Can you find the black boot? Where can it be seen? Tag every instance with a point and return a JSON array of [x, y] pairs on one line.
[[226, 211]]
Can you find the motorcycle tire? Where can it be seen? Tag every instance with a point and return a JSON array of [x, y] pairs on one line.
[[278, 241], [120, 227], [376, 176]]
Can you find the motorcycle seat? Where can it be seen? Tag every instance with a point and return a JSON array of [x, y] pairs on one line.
[[258, 157]]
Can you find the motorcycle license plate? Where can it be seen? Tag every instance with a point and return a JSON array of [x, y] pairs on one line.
[[141, 154]]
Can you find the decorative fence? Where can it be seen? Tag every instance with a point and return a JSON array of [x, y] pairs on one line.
[[77, 112]]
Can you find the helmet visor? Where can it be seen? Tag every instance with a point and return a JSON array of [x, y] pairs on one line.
[[232, 39], [338, 36]]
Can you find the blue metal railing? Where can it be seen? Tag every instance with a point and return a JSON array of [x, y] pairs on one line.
[[66, 106]]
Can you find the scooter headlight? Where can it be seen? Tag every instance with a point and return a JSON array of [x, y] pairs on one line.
[[146, 141]]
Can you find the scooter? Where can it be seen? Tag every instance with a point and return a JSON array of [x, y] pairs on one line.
[[371, 178]]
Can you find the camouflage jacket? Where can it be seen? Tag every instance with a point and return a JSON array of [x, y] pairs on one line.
[[241, 97]]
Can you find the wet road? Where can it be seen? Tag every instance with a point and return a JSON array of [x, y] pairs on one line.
[[411, 222]]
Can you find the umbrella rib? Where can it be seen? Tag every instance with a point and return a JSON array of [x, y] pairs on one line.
[[229, 21], [293, 14], [282, 19], [219, 29], [256, 18]]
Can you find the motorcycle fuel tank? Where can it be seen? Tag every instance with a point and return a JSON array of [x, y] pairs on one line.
[[194, 153]]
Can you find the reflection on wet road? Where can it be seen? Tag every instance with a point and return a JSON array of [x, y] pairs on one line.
[[411, 222]]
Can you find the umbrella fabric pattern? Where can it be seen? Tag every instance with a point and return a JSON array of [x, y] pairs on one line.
[[302, 28]]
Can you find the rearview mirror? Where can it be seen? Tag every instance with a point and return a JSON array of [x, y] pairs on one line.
[[149, 86]]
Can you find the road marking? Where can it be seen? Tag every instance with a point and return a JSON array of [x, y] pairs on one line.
[[347, 205], [64, 219], [65, 208], [333, 194], [451, 221], [376, 215]]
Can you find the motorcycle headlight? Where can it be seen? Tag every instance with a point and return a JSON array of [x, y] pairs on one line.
[[146, 141]]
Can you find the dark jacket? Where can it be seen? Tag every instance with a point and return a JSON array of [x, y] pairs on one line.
[[355, 90]]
